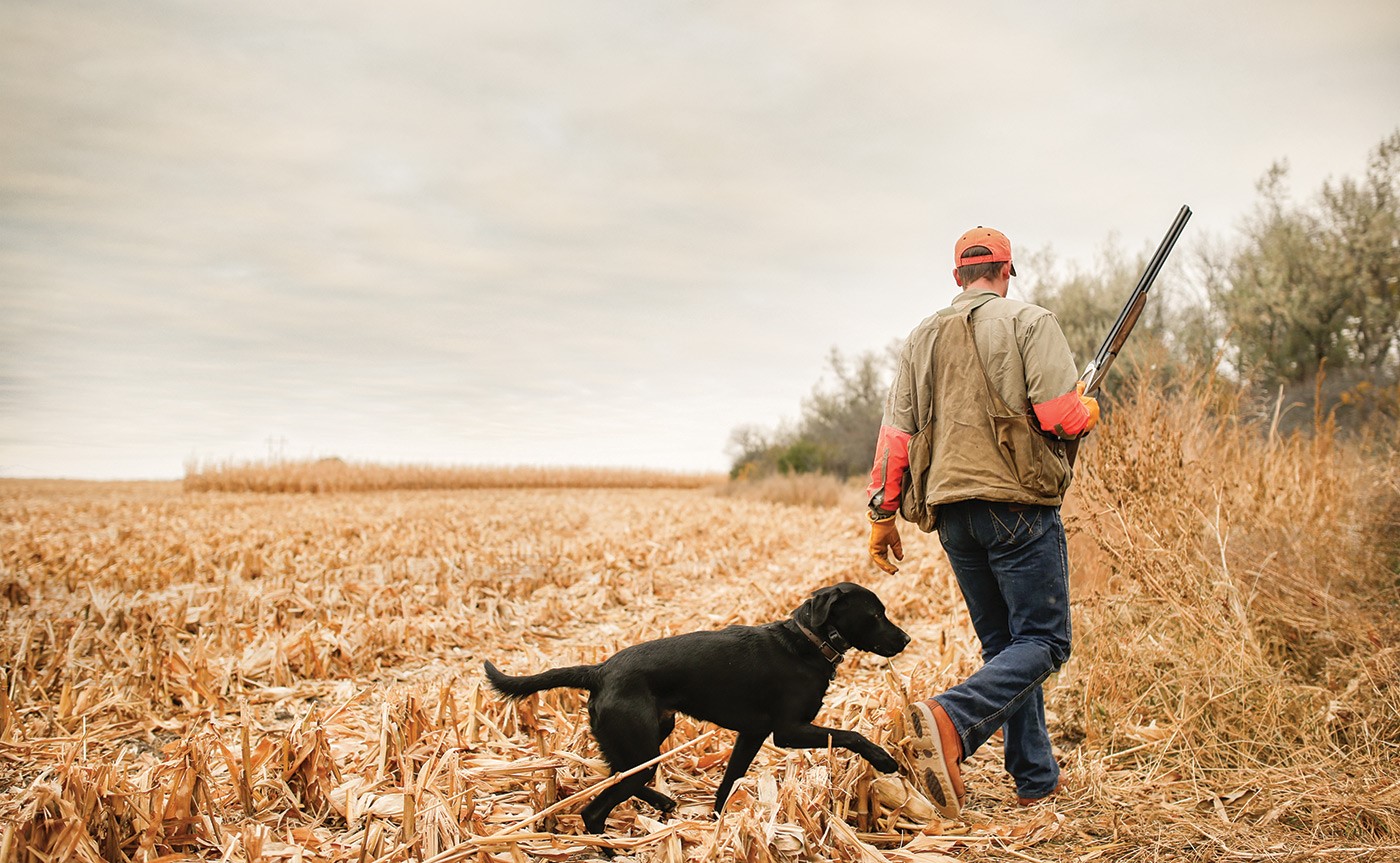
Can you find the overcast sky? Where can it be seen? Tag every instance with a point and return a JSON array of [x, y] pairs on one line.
[[586, 233]]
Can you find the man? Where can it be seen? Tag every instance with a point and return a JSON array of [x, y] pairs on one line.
[[971, 444]]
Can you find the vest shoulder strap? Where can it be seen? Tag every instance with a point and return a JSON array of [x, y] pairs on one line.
[[993, 395]]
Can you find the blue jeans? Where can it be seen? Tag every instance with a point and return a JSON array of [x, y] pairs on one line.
[[1013, 568]]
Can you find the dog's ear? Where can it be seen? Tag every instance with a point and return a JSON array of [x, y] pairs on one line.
[[820, 603]]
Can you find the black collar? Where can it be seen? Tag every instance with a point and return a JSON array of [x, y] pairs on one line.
[[832, 655]]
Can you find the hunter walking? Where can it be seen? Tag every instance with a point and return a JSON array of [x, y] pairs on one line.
[[972, 444]]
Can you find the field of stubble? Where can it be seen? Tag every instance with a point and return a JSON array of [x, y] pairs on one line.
[[239, 676], [242, 676]]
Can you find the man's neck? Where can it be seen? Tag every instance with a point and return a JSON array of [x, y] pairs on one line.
[[996, 286]]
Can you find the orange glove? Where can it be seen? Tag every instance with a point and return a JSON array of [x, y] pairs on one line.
[[1092, 404], [884, 538]]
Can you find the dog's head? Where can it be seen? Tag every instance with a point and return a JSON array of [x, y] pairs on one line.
[[855, 614]]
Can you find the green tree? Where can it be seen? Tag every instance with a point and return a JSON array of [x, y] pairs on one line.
[[1361, 243], [1285, 316], [837, 430], [842, 420], [1316, 283], [802, 456], [752, 452], [1172, 330]]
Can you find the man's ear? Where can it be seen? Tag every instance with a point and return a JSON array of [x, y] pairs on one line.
[[957, 278]]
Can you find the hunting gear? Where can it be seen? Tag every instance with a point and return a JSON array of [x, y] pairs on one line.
[[977, 442], [1127, 318], [998, 393], [1098, 367], [973, 443], [884, 540], [1089, 402]]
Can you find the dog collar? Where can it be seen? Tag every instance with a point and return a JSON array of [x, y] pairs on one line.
[[832, 654]]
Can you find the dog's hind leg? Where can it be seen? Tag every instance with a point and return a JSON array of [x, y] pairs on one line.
[[628, 733], [659, 801], [595, 814], [745, 748], [666, 723]]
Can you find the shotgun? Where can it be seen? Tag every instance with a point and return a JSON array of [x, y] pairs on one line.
[[1098, 367]]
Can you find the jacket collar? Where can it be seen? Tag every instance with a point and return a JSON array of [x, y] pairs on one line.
[[965, 298]]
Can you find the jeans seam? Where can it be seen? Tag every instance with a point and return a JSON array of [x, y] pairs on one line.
[[1004, 533], [1064, 583], [1001, 714]]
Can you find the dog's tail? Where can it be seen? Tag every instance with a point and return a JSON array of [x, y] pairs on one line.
[[574, 676]]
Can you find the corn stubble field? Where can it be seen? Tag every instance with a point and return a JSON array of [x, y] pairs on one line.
[[224, 674]]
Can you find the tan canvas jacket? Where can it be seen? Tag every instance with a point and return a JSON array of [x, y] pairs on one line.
[[970, 452]]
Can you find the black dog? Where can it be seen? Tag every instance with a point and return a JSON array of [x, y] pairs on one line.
[[756, 680]]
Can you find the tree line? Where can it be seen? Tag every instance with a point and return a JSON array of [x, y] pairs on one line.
[[1301, 310]]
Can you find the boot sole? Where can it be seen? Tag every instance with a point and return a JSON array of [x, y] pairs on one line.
[[926, 751]]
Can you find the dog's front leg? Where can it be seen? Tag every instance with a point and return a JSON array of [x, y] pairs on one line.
[[745, 748], [809, 736]]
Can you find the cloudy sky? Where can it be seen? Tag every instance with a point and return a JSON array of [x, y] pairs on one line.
[[586, 233]]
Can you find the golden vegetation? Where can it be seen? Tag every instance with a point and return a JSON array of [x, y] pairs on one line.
[[334, 474], [1242, 657], [243, 676], [801, 489]]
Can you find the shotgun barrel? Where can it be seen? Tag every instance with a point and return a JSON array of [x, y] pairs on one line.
[[1098, 367]]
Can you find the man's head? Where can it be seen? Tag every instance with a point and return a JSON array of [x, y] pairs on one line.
[[982, 253]]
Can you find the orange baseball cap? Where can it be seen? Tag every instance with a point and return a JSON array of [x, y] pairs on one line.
[[989, 238]]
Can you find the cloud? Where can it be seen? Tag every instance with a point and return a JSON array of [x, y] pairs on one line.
[[582, 232]]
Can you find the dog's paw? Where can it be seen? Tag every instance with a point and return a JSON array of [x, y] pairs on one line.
[[660, 802], [884, 762]]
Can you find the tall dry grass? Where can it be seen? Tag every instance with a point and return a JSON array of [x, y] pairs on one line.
[[1241, 658], [335, 475], [802, 489]]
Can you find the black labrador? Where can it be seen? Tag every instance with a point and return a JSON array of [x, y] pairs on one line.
[[756, 680]]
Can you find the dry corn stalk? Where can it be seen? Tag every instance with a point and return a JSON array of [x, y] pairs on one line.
[[228, 675]]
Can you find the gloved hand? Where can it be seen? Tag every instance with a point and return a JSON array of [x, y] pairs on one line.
[[1092, 404], [884, 539]]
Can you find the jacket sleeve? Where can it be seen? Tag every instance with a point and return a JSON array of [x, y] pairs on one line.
[[897, 425], [1064, 416], [1050, 379]]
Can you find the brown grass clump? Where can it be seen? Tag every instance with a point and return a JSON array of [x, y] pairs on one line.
[[799, 489], [245, 676], [334, 474], [1241, 660]]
